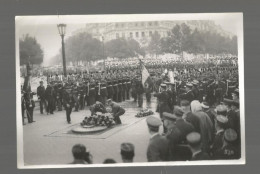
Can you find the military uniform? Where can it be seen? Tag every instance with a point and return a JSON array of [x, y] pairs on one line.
[[75, 93], [68, 103], [115, 88], [49, 95], [41, 97]]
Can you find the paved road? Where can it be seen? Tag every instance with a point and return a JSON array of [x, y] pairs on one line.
[[43, 150]]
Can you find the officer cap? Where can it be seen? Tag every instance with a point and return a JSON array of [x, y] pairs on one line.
[[127, 147], [205, 105], [153, 123], [230, 135], [221, 109], [169, 116], [41, 81], [222, 119], [189, 85], [178, 111], [193, 138]]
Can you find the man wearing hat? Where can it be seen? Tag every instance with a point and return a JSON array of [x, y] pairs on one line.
[[208, 111], [68, 103], [41, 96], [236, 120], [184, 126], [195, 89], [230, 113], [229, 150], [189, 94], [158, 148], [194, 141], [220, 126], [163, 99], [127, 152]]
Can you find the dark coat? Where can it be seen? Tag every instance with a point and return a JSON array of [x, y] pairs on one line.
[[117, 110], [158, 149], [41, 92], [184, 127], [191, 118]]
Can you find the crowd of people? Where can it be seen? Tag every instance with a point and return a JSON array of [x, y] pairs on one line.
[[198, 106]]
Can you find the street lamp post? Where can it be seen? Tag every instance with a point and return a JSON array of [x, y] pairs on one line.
[[62, 32], [103, 44]]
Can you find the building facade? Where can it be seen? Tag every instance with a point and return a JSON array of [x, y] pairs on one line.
[[142, 31]]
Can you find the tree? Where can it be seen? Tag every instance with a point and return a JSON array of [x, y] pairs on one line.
[[122, 48], [30, 50], [154, 47], [82, 47]]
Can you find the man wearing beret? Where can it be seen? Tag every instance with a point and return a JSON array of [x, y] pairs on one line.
[[158, 148], [127, 152]]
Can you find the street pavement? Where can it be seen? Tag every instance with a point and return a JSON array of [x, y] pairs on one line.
[[45, 150]]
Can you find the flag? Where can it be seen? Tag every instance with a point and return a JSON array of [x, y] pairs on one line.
[[145, 76]]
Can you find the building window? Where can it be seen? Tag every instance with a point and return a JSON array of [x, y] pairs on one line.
[[143, 34], [136, 34], [150, 33], [136, 24], [117, 35], [131, 35], [156, 23], [150, 23]]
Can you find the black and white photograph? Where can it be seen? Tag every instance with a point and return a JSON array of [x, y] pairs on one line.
[[115, 90]]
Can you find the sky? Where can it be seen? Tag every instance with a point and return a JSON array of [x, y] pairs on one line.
[[44, 28]]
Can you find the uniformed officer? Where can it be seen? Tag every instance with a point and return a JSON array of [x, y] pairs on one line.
[[68, 103], [158, 148], [139, 92], [220, 126], [49, 95], [189, 94], [230, 149], [75, 93], [115, 87], [41, 96], [194, 141], [30, 104]]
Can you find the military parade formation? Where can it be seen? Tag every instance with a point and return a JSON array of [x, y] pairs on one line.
[[197, 102]]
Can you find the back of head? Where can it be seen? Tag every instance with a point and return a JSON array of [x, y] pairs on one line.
[[127, 151], [109, 161], [79, 151]]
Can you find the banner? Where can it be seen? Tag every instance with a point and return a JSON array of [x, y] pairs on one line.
[[145, 75]]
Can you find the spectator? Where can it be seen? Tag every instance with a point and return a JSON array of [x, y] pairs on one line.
[[81, 155], [127, 152], [109, 161], [206, 126], [158, 148], [194, 141]]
